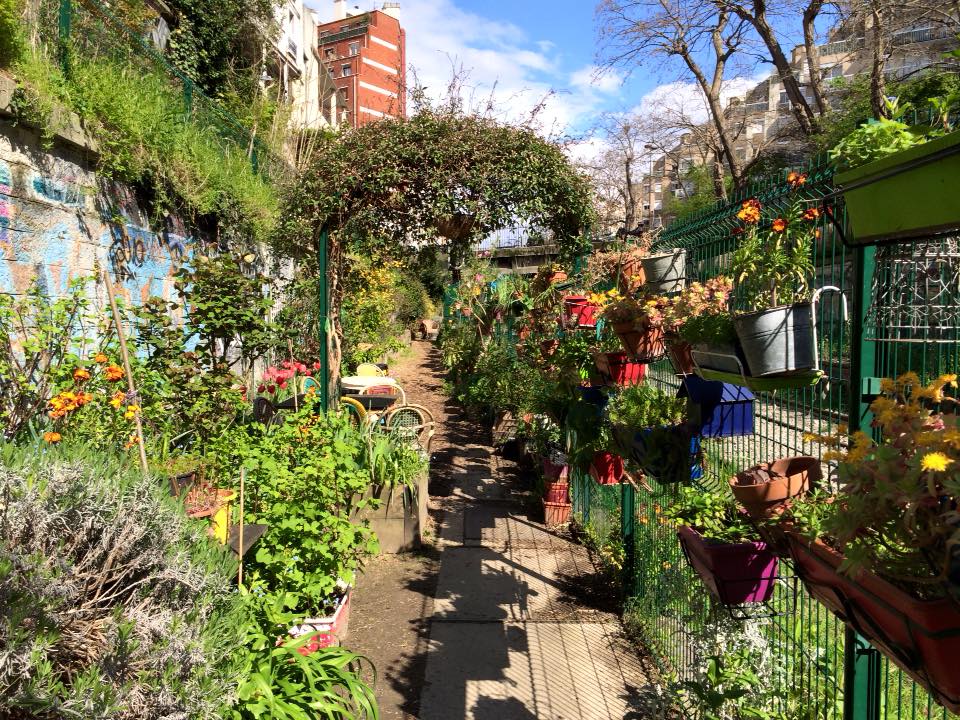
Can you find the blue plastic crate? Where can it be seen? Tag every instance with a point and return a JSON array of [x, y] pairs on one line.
[[718, 409]]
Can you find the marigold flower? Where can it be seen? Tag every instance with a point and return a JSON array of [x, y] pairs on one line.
[[100, 358], [83, 398], [779, 225], [131, 412], [750, 211], [81, 374], [796, 179], [811, 213], [52, 437], [118, 397], [114, 373], [935, 462]]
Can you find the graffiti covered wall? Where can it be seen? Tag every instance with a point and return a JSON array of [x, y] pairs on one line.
[[59, 221]]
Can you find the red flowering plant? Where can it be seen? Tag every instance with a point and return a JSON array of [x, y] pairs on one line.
[[281, 381], [773, 262]]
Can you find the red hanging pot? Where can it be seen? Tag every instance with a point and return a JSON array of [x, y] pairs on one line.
[[644, 344], [606, 468]]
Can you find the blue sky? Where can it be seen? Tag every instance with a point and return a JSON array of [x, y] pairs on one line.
[[521, 51]]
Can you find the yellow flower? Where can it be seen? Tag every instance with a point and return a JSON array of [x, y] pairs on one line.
[[860, 444], [131, 412], [950, 380], [118, 397], [935, 462]]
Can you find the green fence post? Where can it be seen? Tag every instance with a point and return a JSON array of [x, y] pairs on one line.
[[323, 320], [628, 534], [862, 678], [65, 21]]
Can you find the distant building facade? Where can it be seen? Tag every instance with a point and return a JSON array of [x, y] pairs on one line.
[[365, 53]]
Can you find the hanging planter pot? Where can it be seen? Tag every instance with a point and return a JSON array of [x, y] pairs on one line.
[[910, 194], [606, 468], [670, 454], [619, 369], [665, 272], [718, 409], [765, 488], [594, 395], [735, 573], [579, 312], [921, 636], [631, 274], [778, 340], [680, 354], [644, 344]]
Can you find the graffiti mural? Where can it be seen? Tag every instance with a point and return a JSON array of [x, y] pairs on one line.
[[58, 222]]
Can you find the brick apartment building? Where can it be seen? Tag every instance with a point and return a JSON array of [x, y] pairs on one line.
[[366, 55]]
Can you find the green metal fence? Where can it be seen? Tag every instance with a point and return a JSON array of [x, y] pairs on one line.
[[88, 30], [904, 315]]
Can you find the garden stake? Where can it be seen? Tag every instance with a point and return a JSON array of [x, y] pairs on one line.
[[295, 389], [243, 476], [132, 391]]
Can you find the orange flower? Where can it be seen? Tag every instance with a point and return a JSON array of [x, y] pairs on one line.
[[796, 179], [100, 358], [811, 213], [52, 437], [131, 442], [83, 398], [114, 373], [750, 211], [81, 374], [118, 397], [779, 225]]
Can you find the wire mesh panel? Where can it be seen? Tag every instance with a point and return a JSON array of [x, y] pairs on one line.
[[907, 295]]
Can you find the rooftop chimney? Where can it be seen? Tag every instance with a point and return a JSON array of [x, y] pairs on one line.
[[392, 9], [339, 9]]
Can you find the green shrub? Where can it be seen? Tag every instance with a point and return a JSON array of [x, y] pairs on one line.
[[11, 31], [112, 603]]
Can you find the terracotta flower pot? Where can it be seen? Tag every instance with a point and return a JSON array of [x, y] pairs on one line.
[[556, 513], [557, 492], [579, 312], [680, 356], [557, 277], [644, 344], [764, 488], [736, 573], [921, 636], [632, 275], [552, 471]]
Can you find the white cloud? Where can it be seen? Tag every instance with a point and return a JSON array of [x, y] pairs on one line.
[[599, 79]]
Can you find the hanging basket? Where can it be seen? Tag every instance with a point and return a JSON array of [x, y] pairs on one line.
[[619, 369], [606, 468], [665, 272], [765, 488], [643, 344], [670, 454], [778, 341], [735, 573], [921, 636]]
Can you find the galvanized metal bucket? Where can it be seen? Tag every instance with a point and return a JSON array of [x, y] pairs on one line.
[[778, 340], [665, 273]]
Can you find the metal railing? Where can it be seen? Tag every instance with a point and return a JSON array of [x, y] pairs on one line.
[[811, 663]]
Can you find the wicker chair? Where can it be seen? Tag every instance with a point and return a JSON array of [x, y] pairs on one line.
[[414, 423]]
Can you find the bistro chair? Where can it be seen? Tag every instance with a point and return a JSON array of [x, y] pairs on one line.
[[369, 370], [413, 423], [356, 411]]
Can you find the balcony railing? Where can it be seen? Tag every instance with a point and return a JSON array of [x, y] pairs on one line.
[[907, 37], [352, 32]]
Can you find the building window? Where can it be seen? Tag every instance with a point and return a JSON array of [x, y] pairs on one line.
[[657, 188], [354, 48], [329, 54], [784, 98], [345, 70], [833, 72]]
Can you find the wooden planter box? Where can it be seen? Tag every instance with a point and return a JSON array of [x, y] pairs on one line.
[[921, 636], [910, 194], [401, 517]]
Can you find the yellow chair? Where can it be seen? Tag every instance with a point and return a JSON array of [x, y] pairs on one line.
[[369, 370]]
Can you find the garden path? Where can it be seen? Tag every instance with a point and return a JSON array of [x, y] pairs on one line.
[[499, 618]]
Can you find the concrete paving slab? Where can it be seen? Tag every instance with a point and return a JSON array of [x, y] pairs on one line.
[[516, 584], [501, 525], [533, 671]]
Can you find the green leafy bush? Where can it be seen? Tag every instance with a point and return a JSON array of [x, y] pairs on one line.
[[715, 515], [645, 406], [11, 31], [112, 603], [873, 141]]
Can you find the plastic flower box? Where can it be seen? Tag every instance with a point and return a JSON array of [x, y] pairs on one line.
[[327, 630], [735, 573], [718, 409]]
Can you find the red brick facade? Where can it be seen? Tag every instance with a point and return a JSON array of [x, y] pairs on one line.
[[366, 55]]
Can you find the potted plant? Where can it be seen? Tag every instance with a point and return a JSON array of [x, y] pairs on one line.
[[330, 628], [763, 490], [898, 181], [665, 272], [648, 426], [723, 548], [697, 299], [882, 552], [639, 325], [606, 467], [773, 270], [713, 342], [579, 312]]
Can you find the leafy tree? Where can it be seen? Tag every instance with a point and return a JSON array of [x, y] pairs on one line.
[[439, 177]]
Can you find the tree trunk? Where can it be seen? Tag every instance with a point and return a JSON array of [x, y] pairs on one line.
[[878, 83], [810, 14], [719, 186], [630, 209]]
